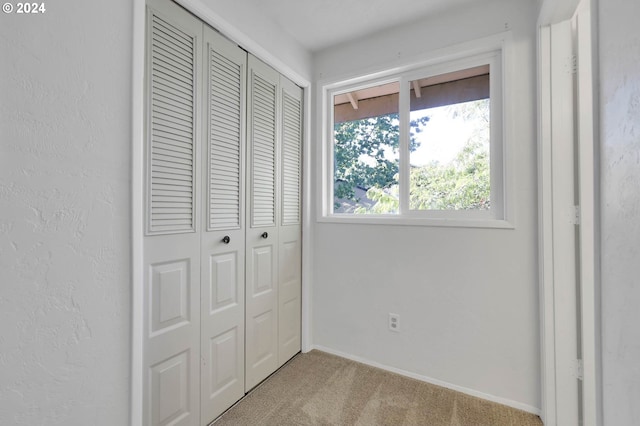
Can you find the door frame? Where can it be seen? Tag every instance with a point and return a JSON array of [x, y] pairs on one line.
[[136, 411], [198, 8], [587, 298]]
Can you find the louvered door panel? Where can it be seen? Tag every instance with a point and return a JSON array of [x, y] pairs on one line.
[[225, 107], [261, 277], [222, 242], [263, 174], [171, 252], [289, 232], [172, 129], [291, 158]]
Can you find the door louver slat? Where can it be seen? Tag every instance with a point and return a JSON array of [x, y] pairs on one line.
[[173, 149], [291, 159], [172, 137], [225, 107], [263, 151], [166, 152], [165, 55], [171, 161], [172, 82], [174, 140]]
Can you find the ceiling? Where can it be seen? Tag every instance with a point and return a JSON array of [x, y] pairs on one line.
[[317, 24]]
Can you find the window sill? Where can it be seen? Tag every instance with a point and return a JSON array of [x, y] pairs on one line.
[[418, 221]]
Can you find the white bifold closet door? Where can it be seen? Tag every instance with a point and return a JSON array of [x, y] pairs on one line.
[[290, 231], [223, 251], [222, 282], [273, 274], [262, 231], [172, 241]]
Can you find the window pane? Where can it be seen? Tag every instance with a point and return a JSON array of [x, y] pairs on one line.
[[450, 141], [450, 160], [365, 151]]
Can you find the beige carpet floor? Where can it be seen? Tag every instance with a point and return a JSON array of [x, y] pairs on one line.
[[322, 389]]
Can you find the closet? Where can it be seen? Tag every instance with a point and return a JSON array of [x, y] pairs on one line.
[[222, 245]]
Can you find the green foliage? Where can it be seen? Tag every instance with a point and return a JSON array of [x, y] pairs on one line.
[[463, 184], [386, 201], [366, 153], [366, 156]]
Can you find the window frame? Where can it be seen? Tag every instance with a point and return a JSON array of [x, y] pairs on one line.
[[500, 215]]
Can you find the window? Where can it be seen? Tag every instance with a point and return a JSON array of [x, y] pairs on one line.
[[425, 144]]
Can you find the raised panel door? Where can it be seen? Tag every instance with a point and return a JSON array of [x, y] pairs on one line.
[[171, 329], [262, 236], [289, 230], [222, 239]]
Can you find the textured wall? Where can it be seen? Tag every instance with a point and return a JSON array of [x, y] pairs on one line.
[[64, 214], [620, 207]]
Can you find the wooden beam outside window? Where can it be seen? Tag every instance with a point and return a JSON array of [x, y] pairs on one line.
[[352, 100], [452, 92]]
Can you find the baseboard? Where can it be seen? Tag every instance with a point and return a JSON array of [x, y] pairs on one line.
[[482, 395]]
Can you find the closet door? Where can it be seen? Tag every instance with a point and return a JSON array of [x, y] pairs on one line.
[[172, 244], [222, 250], [262, 237], [290, 232]]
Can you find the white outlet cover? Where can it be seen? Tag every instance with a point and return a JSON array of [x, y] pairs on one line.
[[394, 322]]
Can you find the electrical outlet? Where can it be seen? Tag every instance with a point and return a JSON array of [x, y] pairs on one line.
[[394, 322]]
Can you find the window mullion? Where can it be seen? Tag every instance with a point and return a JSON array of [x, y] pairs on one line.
[[328, 162], [404, 113]]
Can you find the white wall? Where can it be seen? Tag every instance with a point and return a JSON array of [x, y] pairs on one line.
[[468, 298], [619, 46], [64, 214]]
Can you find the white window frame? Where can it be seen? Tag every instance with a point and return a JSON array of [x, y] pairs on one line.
[[491, 51]]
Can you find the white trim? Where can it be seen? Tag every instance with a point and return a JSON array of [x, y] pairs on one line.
[[137, 213], [589, 261], [307, 229], [554, 11], [488, 397], [404, 164], [451, 53], [407, 220], [563, 186], [545, 246]]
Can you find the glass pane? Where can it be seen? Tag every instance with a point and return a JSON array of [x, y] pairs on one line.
[[450, 157], [365, 151]]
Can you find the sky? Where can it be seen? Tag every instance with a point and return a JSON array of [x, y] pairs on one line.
[[442, 137]]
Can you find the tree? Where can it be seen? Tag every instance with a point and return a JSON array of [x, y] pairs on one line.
[[366, 157], [463, 184], [366, 153]]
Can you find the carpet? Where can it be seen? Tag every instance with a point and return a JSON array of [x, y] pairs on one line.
[[317, 388]]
